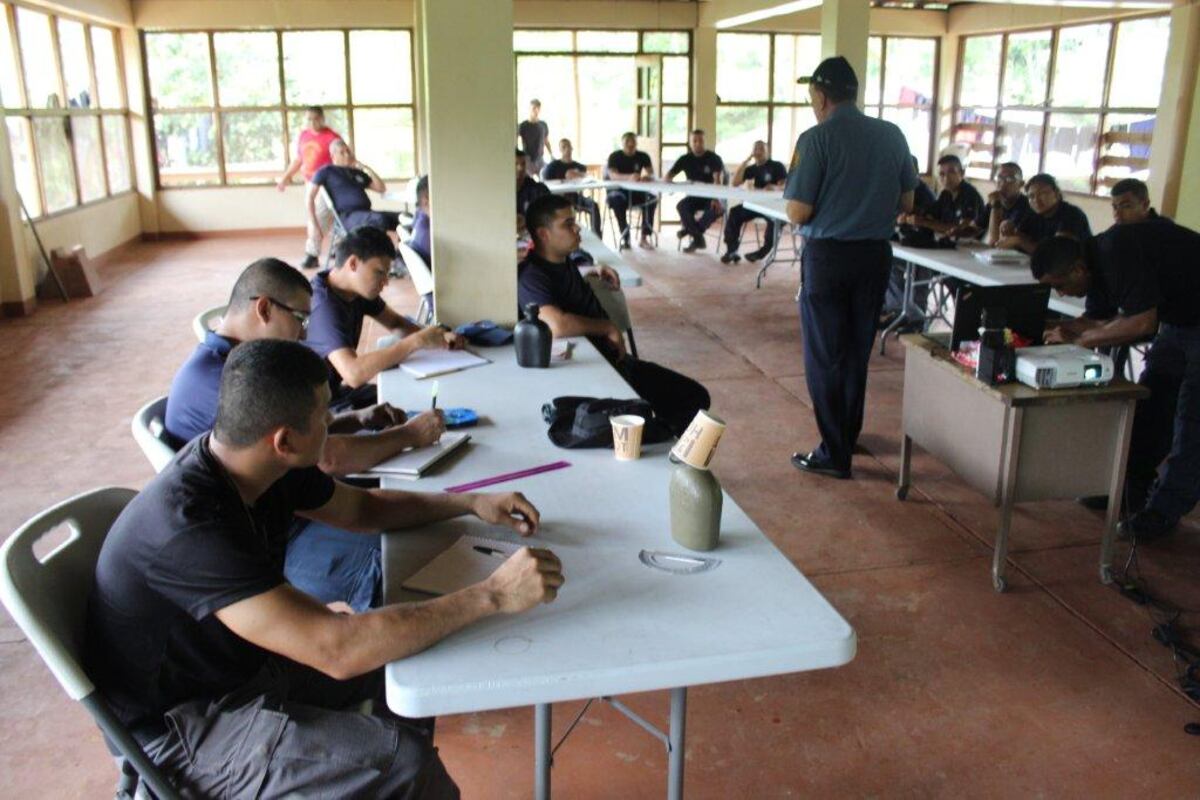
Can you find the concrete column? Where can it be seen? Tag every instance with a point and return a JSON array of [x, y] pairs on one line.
[[1187, 210], [704, 80], [468, 72], [845, 28], [419, 96], [18, 273], [1176, 137]]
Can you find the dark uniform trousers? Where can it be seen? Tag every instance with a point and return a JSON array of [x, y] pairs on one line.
[[840, 301], [1166, 425], [737, 219], [688, 209], [620, 201]]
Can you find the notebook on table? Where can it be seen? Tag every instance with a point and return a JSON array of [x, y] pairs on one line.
[[431, 363], [468, 561], [415, 462]]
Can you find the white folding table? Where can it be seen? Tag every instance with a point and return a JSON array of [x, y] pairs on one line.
[[618, 625]]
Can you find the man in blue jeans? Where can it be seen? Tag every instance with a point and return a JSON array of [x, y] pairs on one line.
[[272, 300], [1140, 281]]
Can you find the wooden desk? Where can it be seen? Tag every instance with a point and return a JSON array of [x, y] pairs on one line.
[[1015, 443]]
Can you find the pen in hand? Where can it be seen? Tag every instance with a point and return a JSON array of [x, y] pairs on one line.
[[433, 404]]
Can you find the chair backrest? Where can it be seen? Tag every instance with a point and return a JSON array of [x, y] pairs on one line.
[[47, 597], [204, 321], [612, 301], [422, 276], [147, 427]]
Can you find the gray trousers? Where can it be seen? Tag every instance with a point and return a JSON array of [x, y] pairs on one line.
[[287, 734]]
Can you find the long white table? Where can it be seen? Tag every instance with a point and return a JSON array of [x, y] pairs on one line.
[[592, 244], [618, 626]]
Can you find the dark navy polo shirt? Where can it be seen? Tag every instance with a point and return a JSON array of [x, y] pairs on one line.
[[701, 168], [768, 173], [851, 169], [967, 207], [622, 162], [530, 190], [1066, 219], [192, 401], [347, 187], [557, 169], [1144, 265], [336, 323], [1014, 213], [560, 285], [420, 240]]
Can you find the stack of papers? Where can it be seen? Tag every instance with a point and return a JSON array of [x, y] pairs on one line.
[[1009, 258], [414, 462], [430, 363]]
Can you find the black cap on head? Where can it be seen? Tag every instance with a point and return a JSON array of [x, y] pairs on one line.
[[833, 73]]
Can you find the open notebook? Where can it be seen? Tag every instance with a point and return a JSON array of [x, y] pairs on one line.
[[413, 463], [465, 563], [430, 363]]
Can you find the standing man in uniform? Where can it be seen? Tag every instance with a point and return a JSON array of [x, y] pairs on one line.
[[535, 139], [312, 153], [700, 165], [852, 175]]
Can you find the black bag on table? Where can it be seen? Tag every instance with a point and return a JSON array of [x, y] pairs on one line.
[[580, 422]]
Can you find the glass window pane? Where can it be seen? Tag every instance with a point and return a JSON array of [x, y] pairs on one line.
[[742, 69], [383, 139], [37, 55], [795, 57], [551, 79], [975, 128], [1021, 139], [73, 46], [874, 55], [21, 144], [738, 127], [606, 90], [665, 42], [1071, 150], [675, 79], [1125, 148], [180, 75], [116, 152], [54, 157], [247, 69], [917, 126], [787, 123], [1140, 59], [85, 135], [543, 41], [337, 119], [314, 67], [1027, 66], [10, 93], [909, 76], [980, 71], [1078, 78], [675, 124], [108, 74], [187, 149], [380, 67], [606, 41], [253, 145]]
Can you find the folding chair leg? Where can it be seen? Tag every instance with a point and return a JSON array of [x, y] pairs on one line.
[[632, 343]]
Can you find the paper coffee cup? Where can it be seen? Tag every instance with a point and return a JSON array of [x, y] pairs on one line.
[[698, 443], [627, 436]]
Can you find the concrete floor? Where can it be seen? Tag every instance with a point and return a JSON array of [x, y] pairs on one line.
[[1055, 689]]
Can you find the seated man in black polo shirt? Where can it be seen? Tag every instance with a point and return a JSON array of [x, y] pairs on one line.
[[570, 308], [913, 236], [342, 297], [1141, 280], [958, 207], [1131, 203], [346, 182], [1006, 206], [1052, 216], [758, 171], [631, 164], [696, 214], [567, 168], [232, 680]]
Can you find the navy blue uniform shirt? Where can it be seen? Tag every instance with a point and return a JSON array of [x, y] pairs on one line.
[[967, 207], [530, 190], [769, 173], [336, 323], [420, 238], [620, 161], [192, 401], [1144, 265], [1066, 219], [1014, 213], [557, 169], [347, 187], [701, 168]]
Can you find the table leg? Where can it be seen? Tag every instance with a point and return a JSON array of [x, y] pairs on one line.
[[542, 757], [1008, 486], [905, 468], [905, 302], [1116, 492], [770, 259], [675, 744]]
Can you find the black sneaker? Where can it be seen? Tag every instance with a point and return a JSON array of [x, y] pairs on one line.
[[818, 466], [757, 255], [697, 243], [730, 258], [1146, 525], [310, 262], [682, 232]]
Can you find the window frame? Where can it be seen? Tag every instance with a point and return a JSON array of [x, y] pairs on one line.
[[218, 110], [25, 114], [1047, 108]]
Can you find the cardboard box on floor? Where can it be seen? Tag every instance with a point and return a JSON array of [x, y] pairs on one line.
[[76, 272]]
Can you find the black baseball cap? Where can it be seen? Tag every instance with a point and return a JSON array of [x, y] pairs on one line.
[[834, 73]]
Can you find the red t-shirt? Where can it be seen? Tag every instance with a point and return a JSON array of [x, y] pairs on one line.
[[312, 147]]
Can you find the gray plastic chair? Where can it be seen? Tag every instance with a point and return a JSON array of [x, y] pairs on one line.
[[614, 305], [147, 427], [47, 598], [202, 323]]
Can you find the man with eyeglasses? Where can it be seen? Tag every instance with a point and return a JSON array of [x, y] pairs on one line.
[[342, 298], [1007, 205], [271, 300], [1052, 216]]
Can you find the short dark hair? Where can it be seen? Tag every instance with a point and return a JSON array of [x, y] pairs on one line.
[[1013, 166], [1055, 256], [318, 110], [541, 211], [535, 102], [950, 158], [267, 277], [422, 186], [628, 135], [520, 153], [265, 384], [1132, 186], [699, 131], [364, 243], [1045, 179]]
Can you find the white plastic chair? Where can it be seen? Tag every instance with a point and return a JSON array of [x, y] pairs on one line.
[[614, 305], [422, 278], [47, 598], [147, 427], [206, 320]]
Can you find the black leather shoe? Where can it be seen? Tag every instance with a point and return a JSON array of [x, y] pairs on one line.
[[730, 258], [818, 466], [1094, 502], [1145, 526], [757, 255]]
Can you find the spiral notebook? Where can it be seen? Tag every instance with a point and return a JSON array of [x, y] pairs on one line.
[[431, 363], [414, 462], [466, 562]]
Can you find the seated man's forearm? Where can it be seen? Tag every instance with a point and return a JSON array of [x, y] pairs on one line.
[[359, 369], [563, 325], [346, 455]]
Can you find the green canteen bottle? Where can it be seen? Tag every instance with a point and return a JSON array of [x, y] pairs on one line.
[[695, 493]]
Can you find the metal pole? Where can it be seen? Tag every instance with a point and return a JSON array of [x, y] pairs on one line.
[[676, 744], [542, 756]]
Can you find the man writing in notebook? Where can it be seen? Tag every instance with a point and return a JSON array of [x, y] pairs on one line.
[[342, 298], [234, 682]]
